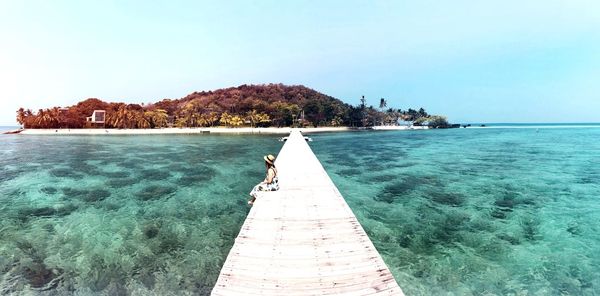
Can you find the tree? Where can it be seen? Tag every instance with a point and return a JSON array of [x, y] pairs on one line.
[[161, 118], [138, 120], [412, 115], [56, 116], [236, 120], [355, 116], [21, 117], [372, 117], [392, 116], [336, 121], [314, 112], [433, 121], [212, 118], [118, 118], [253, 117], [421, 121], [280, 113], [156, 118], [180, 122], [124, 117], [225, 119], [263, 119], [382, 104], [188, 112], [436, 121], [257, 118], [281, 104], [44, 119]]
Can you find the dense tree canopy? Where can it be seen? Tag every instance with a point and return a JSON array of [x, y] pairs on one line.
[[246, 105]]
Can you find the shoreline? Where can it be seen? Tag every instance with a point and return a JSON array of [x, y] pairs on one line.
[[206, 130], [183, 131], [253, 131]]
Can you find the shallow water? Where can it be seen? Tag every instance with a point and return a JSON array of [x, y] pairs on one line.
[[475, 211], [4, 128], [464, 211], [123, 215]]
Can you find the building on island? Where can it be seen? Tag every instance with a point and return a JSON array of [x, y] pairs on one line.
[[98, 117]]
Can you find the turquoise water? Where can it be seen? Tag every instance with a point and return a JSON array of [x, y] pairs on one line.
[[7, 128], [476, 211], [122, 214], [463, 211], [535, 125]]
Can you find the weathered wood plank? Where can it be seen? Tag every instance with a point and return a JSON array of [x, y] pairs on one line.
[[303, 239]]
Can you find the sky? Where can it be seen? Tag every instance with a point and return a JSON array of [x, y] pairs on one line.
[[472, 61]]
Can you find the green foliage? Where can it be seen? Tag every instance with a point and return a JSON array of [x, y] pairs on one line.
[[157, 118], [225, 119], [437, 121], [236, 121], [420, 121], [433, 121], [253, 105]]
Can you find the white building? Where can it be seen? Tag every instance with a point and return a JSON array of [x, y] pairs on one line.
[[99, 116]]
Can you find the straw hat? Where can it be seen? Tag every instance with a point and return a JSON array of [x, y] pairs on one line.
[[269, 158]]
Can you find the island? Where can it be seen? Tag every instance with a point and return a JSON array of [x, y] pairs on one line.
[[246, 106]]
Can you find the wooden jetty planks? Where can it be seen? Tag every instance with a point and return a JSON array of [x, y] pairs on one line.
[[303, 239]]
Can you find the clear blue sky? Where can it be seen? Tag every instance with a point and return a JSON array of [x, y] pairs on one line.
[[474, 61]]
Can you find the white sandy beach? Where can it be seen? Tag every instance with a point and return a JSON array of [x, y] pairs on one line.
[[158, 131], [204, 130], [398, 128]]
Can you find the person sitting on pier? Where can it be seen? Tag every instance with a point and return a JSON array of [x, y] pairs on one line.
[[270, 183]]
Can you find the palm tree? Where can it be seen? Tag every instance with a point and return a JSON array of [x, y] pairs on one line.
[[21, 116], [264, 118], [43, 119], [208, 119], [180, 122], [202, 119], [253, 117], [160, 118], [112, 119], [56, 117], [236, 120], [212, 118], [393, 115], [120, 118], [37, 120], [188, 114], [139, 121], [225, 119], [382, 104], [156, 118]]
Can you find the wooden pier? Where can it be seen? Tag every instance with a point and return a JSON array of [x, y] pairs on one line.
[[303, 239]]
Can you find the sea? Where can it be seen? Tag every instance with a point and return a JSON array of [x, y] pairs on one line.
[[501, 210], [6, 128]]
